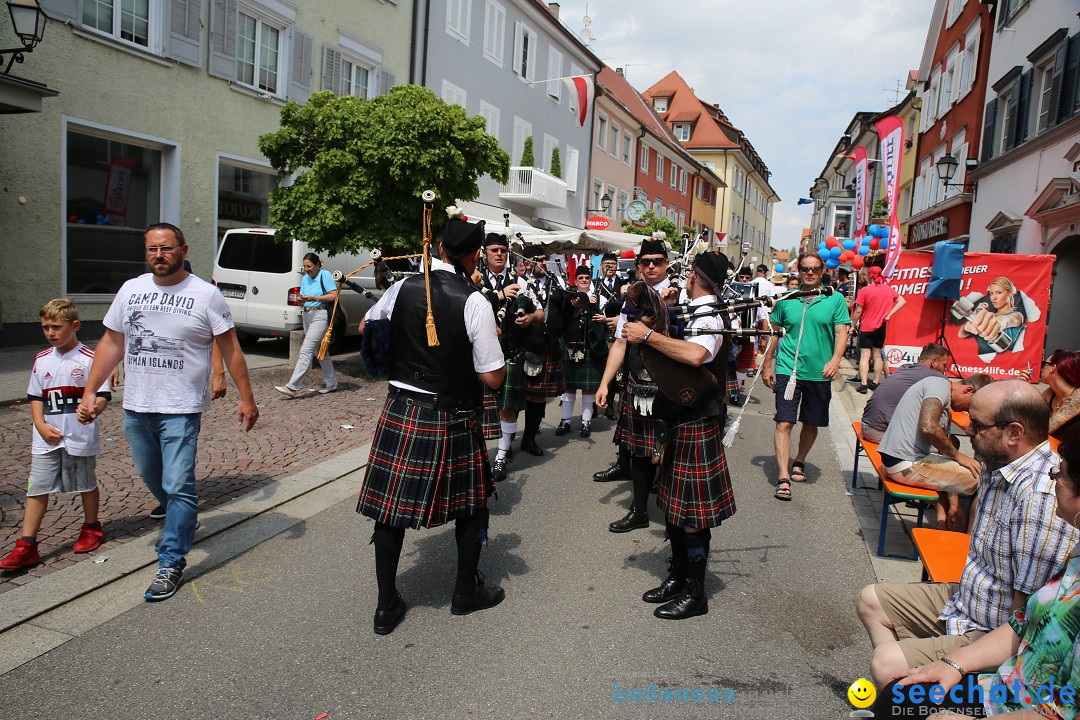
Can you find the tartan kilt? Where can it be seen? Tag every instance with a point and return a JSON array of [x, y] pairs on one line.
[[747, 354], [637, 433], [426, 467], [695, 488], [550, 381], [512, 393], [732, 385], [490, 418], [584, 375]]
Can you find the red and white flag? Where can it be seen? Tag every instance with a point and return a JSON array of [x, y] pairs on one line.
[[891, 132], [581, 87], [860, 158]]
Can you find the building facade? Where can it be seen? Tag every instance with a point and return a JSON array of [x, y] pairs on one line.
[[613, 171], [157, 119]]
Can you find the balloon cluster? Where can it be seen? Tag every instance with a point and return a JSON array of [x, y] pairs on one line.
[[836, 251], [99, 220]]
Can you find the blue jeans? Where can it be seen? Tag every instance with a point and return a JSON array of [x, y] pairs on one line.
[[163, 447]]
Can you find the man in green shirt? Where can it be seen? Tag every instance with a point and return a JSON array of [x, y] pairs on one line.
[[808, 356]]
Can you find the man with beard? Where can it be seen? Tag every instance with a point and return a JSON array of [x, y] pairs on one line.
[[637, 433], [167, 320], [1017, 542]]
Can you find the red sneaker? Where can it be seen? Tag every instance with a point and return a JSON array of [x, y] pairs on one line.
[[90, 539], [24, 555]]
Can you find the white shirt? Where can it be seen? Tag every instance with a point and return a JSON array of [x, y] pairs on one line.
[[765, 289], [58, 380], [622, 318], [479, 323], [711, 343], [168, 331]]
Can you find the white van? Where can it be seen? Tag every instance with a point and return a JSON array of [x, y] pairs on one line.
[[260, 279]]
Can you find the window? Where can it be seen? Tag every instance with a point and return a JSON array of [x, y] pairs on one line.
[[674, 174], [117, 178], [660, 104], [682, 181], [611, 193], [601, 131], [554, 89], [550, 144], [737, 184], [955, 8], [355, 80], [524, 52], [970, 59], [458, 16], [627, 144], [948, 81], [352, 67], [490, 113], [644, 157], [1002, 142], [659, 166], [494, 32], [614, 149], [658, 208], [1044, 74], [243, 198], [1007, 10], [258, 54], [682, 132], [570, 169], [522, 130], [930, 102], [682, 219], [452, 94], [936, 189], [128, 20], [624, 200], [597, 191], [959, 151]]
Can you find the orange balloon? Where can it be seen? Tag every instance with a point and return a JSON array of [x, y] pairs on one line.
[[831, 241], [857, 262]]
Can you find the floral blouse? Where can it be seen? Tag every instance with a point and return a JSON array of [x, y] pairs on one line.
[[1049, 652]]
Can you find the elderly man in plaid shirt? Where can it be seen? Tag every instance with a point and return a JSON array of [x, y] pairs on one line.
[[1016, 542]]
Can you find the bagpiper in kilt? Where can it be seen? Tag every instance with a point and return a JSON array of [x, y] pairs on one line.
[[584, 349], [695, 488], [609, 294], [637, 432], [495, 277], [428, 464]]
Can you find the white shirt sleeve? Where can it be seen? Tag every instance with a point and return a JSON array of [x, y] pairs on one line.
[[384, 307], [480, 324], [711, 343]]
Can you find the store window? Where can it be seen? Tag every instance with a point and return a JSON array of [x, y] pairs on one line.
[[243, 196]]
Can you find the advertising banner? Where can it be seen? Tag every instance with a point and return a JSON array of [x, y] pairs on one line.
[[997, 327], [117, 188], [891, 132], [860, 157]]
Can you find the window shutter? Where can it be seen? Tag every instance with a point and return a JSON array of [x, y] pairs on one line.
[[1067, 100], [331, 69], [184, 41], [303, 57], [223, 39], [65, 11], [387, 80], [1023, 106], [1055, 84], [989, 115]]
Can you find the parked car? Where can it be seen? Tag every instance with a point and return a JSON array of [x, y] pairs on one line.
[[260, 280]]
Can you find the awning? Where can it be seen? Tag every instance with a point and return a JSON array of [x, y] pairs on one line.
[[492, 216]]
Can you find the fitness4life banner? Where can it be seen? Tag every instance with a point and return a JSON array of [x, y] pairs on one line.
[[997, 327]]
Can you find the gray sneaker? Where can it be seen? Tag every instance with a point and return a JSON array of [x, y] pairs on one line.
[[165, 584]]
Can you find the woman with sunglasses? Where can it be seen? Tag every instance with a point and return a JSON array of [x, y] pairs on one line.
[[1061, 371], [1036, 653]]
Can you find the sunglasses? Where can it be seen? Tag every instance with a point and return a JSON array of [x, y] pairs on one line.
[[814, 268], [651, 261], [977, 427], [1047, 362]]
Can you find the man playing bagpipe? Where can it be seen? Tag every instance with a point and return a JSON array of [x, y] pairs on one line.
[[609, 290], [428, 462], [584, 349], [695, 488], [498, 283]]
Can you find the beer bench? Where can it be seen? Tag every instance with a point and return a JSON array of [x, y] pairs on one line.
[[894, 492], [943, 552]]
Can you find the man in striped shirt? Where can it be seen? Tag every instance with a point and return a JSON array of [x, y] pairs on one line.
[[1017, 542]]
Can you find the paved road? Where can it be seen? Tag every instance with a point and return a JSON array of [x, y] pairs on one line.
[[284, 629]]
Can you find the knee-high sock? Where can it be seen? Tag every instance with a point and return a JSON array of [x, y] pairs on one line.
[[677, 538], [568, 399], [534, 415], [508, 430], [471, 534], [697, 554], [388, 540], [587, 407], [642, 472]]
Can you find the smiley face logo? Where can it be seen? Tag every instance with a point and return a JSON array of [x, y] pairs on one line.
[[862, 693]]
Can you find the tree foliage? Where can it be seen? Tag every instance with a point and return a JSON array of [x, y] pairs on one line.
[[650, 224], [359, 167], [556, 164], [527, 159]]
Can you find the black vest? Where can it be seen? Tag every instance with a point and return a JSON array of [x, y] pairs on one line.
[[446, 369]]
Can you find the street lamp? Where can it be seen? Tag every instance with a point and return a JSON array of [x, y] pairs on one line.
[[28, 19], [605, 205], [946, 166]]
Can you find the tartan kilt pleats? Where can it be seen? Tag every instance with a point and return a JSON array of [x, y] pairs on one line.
[[695, 487]]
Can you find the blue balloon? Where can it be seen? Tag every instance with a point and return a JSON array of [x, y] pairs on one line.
[[874, 230], [848, 244], [864, 249], [836, 252], [832, 263], [779, 267]]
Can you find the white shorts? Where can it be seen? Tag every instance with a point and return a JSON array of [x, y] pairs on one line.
[[58, 472]]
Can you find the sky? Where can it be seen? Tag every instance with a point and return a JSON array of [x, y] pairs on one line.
[[789, 73]]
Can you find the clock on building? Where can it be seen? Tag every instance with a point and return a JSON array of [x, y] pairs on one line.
[[636, 210]]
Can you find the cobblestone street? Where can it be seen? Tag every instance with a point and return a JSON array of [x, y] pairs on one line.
[[292, 433]]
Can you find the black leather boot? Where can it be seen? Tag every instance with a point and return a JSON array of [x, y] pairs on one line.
[[619, 471], [480, 598], [388, 619], [634, 520], [691, 603]]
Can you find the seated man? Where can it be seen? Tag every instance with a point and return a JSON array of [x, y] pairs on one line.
[[916, 431], [933, 361], [1017, 542]]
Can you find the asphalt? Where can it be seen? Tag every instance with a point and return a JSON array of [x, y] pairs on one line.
[[275, 619]]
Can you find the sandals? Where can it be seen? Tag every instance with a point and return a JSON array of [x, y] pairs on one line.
[[798, 471], [783, 489]]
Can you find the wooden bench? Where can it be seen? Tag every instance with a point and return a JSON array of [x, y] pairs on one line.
[[894, 492], [944, 553]]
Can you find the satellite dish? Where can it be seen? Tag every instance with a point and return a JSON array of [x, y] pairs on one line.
[[586, 37]]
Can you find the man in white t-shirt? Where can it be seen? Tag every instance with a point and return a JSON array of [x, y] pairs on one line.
[[162, 324]]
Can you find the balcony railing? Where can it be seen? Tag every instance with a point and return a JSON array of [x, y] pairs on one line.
[[534, 187]]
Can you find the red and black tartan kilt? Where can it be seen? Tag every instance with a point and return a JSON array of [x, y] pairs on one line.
[[550, 382], [695, 488], [747, 354], [732, 385], [637, 433], [583, 376], [490, 418], [512, 392], [426, 467]]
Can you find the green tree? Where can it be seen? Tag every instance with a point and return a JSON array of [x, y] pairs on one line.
[[527, 159], [881, 208], [359, 167], [650, 224], [556, 165]]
